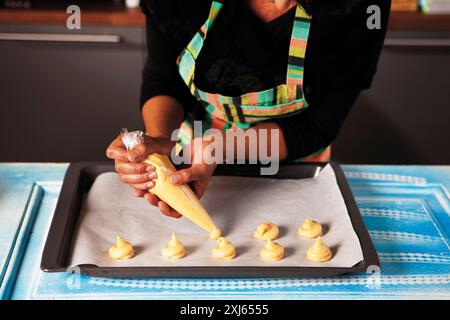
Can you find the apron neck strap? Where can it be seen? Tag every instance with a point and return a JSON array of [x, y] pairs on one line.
[[297, 47], [216, 5], [197, 41]]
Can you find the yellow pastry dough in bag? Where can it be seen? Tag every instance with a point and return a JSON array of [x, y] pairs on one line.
[[180, 198]]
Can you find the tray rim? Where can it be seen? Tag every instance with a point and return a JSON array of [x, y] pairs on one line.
[[59, 238]]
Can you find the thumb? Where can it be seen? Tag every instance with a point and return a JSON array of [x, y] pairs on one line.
[[185, 176], [138, 154], [151, 145]]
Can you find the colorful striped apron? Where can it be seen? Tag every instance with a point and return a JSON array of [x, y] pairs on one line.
[[225, 112]]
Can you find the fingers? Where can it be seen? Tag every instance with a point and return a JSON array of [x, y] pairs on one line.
[[143, 186], [164, 207], [200, 188], [133, 168], [155, 201], [150, 145], [116, 150], [139, 193], [185, 176], [168, 211], [152, 199], [138, 178], [139, 153], [139, 175]]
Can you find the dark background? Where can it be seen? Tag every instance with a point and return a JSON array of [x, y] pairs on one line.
[[64, 101]]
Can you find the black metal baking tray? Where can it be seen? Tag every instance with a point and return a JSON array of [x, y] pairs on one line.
[[80, 177]]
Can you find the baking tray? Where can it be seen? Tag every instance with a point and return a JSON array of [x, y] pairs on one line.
[[80, 177]]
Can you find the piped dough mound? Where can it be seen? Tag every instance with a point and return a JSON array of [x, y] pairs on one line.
[[122, 250], [267, 231], [174, 249], [224, 250], [272, 251], [319, 251], [310, 229]]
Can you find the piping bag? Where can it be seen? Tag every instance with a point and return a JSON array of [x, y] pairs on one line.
[[180, 198]]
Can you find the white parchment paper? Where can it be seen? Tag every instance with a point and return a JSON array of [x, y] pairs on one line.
[[236, 204]]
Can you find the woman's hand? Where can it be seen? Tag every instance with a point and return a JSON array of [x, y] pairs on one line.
[[140, 175], [133, 171], [197, 176]]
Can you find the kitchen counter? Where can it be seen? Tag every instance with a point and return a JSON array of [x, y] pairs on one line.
[[405, 208], [124, 17]]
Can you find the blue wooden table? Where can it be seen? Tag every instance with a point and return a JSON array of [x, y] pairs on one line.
[[406, 209]]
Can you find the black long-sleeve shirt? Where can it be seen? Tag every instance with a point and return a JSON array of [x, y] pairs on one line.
[[243, 54]]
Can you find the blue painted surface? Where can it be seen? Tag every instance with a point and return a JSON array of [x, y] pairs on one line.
[[22, 189], [406, 209]]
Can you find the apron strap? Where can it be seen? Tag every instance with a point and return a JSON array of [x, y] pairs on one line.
[[196, 44], [297, 47]]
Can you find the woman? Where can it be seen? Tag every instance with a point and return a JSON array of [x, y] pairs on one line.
[[257, 64]]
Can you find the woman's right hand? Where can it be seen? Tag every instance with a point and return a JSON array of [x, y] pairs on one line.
[[140, 175]]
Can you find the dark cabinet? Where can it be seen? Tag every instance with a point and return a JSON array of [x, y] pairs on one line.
[[405, 116], [64, 100]]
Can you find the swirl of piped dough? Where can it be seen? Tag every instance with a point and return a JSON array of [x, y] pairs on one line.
[[122, 250], [224, 250], [215, 234], [174, 249], [272, 251], [267, 230], [319, 251], [310, 229]]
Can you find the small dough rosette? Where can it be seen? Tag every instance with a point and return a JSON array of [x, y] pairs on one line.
[[224, 250], [272, 251], [319, 251], [174, 249], [122, 250], [267, 231], [310, 229]]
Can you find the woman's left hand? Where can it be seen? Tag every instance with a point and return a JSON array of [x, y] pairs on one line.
[[198, 176]]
